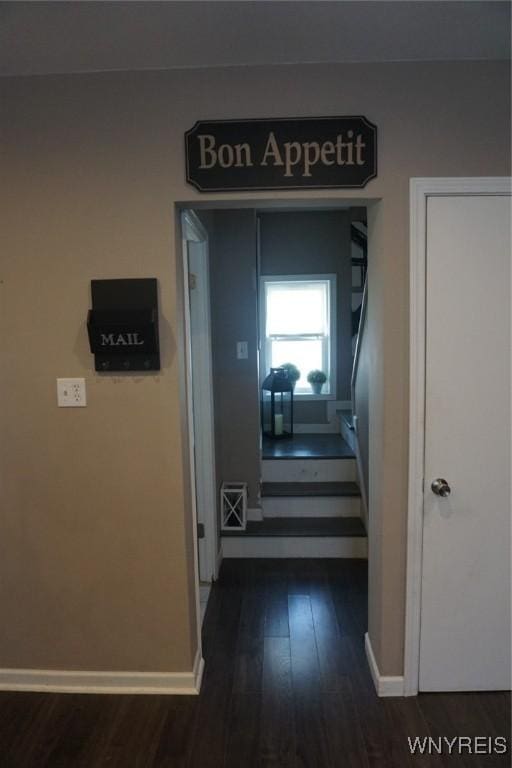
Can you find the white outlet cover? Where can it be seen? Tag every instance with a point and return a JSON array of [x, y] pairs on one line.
[[242, 352], [71, 393]]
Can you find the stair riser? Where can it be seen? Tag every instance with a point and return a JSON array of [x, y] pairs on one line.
[[295, 546], [308, 470], [311, 506]]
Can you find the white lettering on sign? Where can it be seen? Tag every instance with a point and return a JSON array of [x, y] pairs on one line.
[[272, 150], [121, 340], [226, 155], [293, 156]]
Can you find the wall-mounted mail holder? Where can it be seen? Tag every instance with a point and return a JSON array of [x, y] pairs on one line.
[[123, 325]]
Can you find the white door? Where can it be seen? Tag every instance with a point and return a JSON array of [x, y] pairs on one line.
[[465, 639]]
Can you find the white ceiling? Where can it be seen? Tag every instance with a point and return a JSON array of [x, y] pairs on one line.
[[54, 37]]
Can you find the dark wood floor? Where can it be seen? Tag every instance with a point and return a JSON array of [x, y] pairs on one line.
[[286, 684]]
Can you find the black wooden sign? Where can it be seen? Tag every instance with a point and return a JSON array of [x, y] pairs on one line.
[[298, 153]]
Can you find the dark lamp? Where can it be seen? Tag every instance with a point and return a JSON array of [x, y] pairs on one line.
[[277, 404]]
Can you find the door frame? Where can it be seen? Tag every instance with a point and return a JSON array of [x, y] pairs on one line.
[[420, 191], [202, 471]]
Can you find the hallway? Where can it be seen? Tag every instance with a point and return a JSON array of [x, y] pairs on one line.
[[286, 684]]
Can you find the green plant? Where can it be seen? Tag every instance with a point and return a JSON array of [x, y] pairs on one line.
[[293, 371], [317, 377]]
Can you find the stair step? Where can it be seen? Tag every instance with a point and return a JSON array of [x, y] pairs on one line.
[[310, 489], [295, 546], [302, 526], [311, 506], [307, 446], [306, 470]]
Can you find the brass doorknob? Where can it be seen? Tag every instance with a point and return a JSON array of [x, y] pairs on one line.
[[441, 488]]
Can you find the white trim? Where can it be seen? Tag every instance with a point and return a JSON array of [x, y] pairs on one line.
[[385, 685], [195, 259], [65, 681], [190, 425], [295, 546], [420, 190], [193, 228]]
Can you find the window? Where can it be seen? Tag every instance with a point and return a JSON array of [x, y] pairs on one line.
[[297, 315]]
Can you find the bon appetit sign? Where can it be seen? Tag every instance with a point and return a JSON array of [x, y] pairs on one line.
[[312, 153]]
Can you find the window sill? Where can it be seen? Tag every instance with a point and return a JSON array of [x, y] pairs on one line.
[[306, 397]]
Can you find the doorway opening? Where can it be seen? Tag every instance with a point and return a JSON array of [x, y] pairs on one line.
[[278, 286]]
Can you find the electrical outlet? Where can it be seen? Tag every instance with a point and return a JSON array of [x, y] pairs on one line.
[[242, 352], [71, 393]]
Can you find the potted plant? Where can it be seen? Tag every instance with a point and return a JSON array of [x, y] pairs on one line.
[[292, 371], [317, 379]]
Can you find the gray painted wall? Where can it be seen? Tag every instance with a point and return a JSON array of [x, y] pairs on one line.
[[306, 243], [234, 318]]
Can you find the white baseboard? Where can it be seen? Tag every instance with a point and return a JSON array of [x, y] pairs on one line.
[[311, 506], [295, 546], [65, 681], [384, 685]]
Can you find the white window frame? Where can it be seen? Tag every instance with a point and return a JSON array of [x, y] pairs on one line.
[[263, 345]]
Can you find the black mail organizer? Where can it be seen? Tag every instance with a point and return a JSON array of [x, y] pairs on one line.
[[123, 325]]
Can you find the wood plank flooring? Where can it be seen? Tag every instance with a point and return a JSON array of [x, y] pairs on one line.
[[286, 686]]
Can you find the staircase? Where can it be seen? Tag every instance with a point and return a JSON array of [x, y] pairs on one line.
[[310, 494], [311, 503]]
